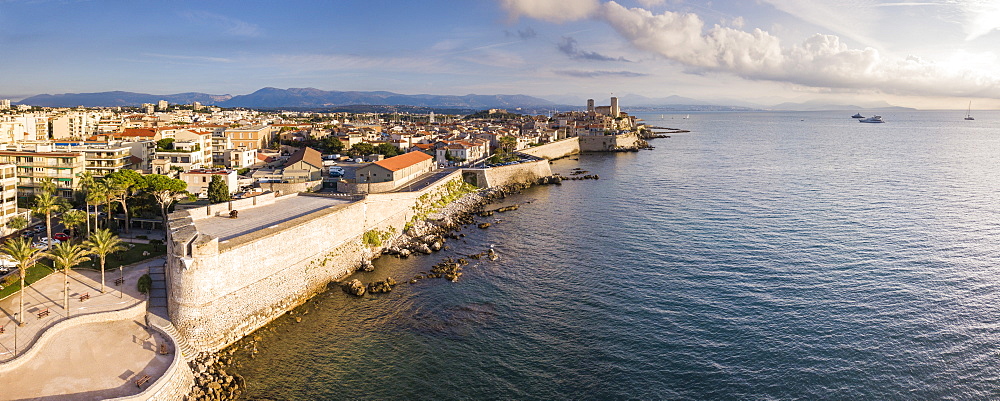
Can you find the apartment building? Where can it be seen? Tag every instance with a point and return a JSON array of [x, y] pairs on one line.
[[256, 137], [8, 197], [64, 168]]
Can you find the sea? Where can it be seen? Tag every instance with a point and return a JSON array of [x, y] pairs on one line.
[[760, 256]]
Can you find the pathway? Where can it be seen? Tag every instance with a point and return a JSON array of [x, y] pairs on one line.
[[47, 295]]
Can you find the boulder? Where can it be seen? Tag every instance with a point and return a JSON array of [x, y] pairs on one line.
[[422, 248], [354, 287]]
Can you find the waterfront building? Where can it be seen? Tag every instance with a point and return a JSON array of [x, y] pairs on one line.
[[396, 171]]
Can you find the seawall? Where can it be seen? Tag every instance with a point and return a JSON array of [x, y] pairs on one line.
[[219, 291], [555, 150]]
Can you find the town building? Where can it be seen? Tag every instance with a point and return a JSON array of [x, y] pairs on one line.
[[198, 180], [393, 172], [64, 168]]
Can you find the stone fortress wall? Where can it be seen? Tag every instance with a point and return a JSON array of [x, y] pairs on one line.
[[220, 292], [605, 143], [555, 150]]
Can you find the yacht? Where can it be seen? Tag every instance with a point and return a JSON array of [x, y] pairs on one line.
[[857, 115], [968, 114], [872, 119]]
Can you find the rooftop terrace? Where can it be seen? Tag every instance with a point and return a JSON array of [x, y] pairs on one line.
[[261, 217]]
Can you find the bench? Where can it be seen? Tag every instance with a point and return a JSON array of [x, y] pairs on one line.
[[85, 297], [119, 281], [43, 313], [142, 380]]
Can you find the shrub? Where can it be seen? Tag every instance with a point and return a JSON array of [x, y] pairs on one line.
[[145, 284]]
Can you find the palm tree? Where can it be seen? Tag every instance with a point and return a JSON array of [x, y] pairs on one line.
[[87, 182], [20, 249], [65, 255], [73, 219], [46, 204], [18, 223], [97, 195], [102, 243]]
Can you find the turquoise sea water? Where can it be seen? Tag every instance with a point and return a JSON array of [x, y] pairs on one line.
[[761, 256]]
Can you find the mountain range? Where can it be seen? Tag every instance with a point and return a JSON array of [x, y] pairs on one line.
[[311, 98], [289, 98]]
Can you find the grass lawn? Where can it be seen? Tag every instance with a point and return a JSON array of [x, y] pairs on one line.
[[35, 273], [132, 255]]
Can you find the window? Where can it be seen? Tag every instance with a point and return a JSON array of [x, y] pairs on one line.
[[204, 179]]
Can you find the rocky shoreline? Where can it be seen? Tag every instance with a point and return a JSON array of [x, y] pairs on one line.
[[214, 383]]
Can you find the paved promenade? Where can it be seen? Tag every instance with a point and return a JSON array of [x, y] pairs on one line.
[[46, 294], [90, 361]]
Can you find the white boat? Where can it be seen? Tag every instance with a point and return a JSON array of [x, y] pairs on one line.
[[687, 116], [872, 119], [968, 114]]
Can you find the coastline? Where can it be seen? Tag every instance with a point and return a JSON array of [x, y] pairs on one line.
[[211, 376]]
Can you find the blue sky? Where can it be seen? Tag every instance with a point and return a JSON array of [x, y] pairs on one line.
[[930, 54]]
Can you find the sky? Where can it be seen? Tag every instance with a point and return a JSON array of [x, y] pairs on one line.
[[938, 54]]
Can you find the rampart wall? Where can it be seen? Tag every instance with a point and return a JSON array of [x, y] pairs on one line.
[[218, 293], [505, 175], [605, 143], [555, 150]]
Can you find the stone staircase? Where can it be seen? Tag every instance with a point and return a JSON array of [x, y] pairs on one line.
[[158, 292], [186, 350]]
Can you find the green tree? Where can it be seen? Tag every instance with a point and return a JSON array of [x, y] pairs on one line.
[[165, 191], [507, 144], [331, 144], [65, 256], [73, 219], [123, 185], [103, 243], [387, 149], [218, 190], [20, 249], [362, 148], [18, 223], [165, 144], [47, 184], [47, 204]]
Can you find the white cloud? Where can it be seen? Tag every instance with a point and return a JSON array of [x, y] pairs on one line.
[[652, 3], [982, 18], [821, 61], [230, 25], [551, 10]]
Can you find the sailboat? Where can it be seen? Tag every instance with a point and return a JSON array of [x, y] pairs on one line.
[[968, 114], [687, 116]]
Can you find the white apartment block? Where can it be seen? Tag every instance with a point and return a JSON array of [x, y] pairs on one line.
[[75, 124]]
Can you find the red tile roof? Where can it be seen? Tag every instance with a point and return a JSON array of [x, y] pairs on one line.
[[403, 161]]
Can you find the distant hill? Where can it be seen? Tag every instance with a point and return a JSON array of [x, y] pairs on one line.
[[292, 98], [311, 97], [119, 98], [823, 106]]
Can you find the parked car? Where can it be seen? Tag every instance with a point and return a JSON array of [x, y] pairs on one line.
[[45, 240], [60, 237]]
